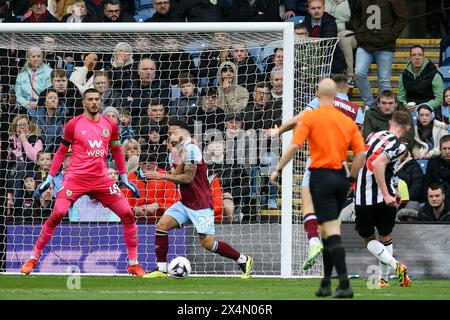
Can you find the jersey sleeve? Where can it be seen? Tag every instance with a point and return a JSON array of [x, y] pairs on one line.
[[313, 104], [359, 120], [301, 131], [115, 138], [394, 150], [68, 134], [193, 154]]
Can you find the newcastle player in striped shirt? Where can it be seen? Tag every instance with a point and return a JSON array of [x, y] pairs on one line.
[[376, 199]]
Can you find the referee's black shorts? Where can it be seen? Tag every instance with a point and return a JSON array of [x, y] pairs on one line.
[[378, 216], [329, 190]]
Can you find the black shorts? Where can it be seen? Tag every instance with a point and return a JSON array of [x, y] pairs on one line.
[[328, 191], [378, 216]]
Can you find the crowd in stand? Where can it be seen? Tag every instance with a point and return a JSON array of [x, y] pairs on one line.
[[225, 93]]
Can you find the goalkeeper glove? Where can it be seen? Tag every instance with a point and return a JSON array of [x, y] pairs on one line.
[[129, 185], [42, 187]]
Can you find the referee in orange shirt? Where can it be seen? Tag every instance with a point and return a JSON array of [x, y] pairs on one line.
[[330, 134]]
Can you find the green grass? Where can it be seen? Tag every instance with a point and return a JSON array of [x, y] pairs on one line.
[[55, 287]]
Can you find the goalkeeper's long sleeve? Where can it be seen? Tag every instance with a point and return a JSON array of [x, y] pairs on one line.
[[58, 159], [119, 159]]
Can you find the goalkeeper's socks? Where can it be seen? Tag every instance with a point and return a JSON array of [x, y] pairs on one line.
[[162, 266], [133, 262], [337, 253], [379, 251]]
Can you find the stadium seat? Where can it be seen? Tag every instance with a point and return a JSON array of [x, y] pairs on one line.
[[296, 19], [445, 71], [423, 165]]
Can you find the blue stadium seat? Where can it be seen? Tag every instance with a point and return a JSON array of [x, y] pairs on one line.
[[423, 165], [296, 19], [445, 71]]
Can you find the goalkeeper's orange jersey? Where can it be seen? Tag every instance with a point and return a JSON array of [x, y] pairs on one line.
[[330, 133]]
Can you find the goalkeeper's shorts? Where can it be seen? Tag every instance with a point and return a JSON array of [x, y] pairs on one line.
[[104, 190]]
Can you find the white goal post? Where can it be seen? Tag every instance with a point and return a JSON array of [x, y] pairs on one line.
[[279, 248]]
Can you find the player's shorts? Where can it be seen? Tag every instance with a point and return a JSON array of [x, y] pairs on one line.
[[307, 174], [378, 216], [203, 220], [104, 190], [328, 191]]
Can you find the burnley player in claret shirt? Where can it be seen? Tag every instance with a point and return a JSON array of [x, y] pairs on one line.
[[195, 205], [90, 135]]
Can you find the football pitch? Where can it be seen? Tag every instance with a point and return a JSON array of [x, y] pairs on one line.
[[14, 287]]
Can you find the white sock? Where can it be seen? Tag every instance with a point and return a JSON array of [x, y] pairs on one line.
[[31, 257], [133, 262], [162, 266], [314, 241], [384, 268], [242, 259], [379, 251]]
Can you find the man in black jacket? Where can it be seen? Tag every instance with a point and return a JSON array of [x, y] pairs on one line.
[[201, 11], [163, 11], [438, 169], [322, 25], [437, 208], [113, 12]]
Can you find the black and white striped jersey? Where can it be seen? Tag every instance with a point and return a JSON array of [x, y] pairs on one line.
[[367, 191]]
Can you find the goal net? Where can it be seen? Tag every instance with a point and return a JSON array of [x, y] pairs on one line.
[[227, 83]]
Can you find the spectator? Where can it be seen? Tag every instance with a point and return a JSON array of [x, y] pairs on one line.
[[56, 59], [42, 168], [125, 128], [95, 9], [377, 119], [34, 78], [112, 10], [38, 12], [163, 11], [438, 169], [276, 83], [145, 88], [254, 11], [294, 8], [444, 112], [50, 117], [341, 10], [231, 96], [376, 43], [83, 77], [209, 117], [274, 61], [25, 143], [411, 173], [214, 54], [260, 112], [78, 13], [173, 61], [9, 208], [428, 132], [322, 25], [185, 106], [156, 195], [121, 66], [437, 207], [201, 11], [152, 145], [132, 150], [420, 82], [6, 13], [156, 117], [25, 206], [214, 157], [68, 93], [247, 70], [109, 96], [60, 8], [301, 30]]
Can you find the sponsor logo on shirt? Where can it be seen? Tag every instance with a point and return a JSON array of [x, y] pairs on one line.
[[105, 133]]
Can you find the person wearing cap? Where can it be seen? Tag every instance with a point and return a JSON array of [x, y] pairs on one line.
[[427, 133], [156, 195], [420, 82], [38, 12]]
